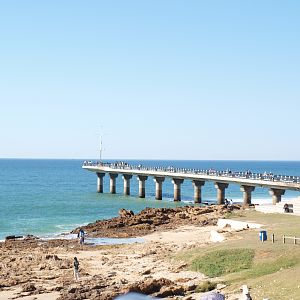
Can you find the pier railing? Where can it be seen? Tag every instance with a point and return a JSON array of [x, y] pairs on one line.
[[209, 172]]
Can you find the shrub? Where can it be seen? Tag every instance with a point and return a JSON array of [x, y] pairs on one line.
[[206, 286]]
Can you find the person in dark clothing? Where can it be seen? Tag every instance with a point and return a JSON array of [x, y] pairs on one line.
[[76, 268], [81, 235], [286, 208]]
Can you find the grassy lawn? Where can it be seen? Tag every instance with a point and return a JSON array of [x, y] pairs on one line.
[[271, 270], [222, 262]]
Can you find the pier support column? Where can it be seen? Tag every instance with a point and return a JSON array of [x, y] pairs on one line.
[[247, 190], [197, 190], [127, 178], [113, 177], [177, 188], [221, 186], [276, 195], [100, 182], [158, 187], [142, 191]]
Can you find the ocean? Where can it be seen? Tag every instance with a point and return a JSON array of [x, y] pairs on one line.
[[45, 197]]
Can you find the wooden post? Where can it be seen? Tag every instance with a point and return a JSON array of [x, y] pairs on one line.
[[295, 240], [283, 239], [273, 238]]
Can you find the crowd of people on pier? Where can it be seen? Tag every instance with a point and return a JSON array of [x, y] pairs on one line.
[[248, 174]]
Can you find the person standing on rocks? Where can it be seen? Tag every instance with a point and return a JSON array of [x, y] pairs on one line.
[[80, 235], [76, 268]]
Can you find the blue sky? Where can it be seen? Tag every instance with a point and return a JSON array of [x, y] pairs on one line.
[[159, 79]]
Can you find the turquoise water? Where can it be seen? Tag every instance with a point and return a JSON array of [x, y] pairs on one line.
[[43, 197]]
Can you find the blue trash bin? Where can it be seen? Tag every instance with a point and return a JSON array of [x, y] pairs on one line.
[[263, 235]]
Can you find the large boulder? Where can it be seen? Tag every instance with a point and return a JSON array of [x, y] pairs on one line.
[[157, 287]]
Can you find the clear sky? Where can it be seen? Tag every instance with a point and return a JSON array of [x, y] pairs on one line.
[[159, 79]]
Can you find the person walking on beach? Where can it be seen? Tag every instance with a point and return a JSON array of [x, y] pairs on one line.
[[76, 268], [80, 235], [231, 204]]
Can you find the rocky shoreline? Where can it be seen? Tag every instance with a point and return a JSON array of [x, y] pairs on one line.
[[44, 269], [150, 220]]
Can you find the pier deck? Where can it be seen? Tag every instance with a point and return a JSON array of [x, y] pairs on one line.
[[277, 184]]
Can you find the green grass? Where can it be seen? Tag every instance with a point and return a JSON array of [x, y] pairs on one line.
[[264, 268], [272, 267], [233, 214], [223, 262]]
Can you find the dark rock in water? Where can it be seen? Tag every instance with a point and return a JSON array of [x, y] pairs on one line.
[[17, 237], [13, 237], [31, 237]]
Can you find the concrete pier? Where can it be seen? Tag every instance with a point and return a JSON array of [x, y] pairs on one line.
[[221, 186], [276, 195], [142, 179], [177, 188], [100, 182], [126, 178], [113, 177], [247, 190], [158, 187], [197, 190], [276, 184]]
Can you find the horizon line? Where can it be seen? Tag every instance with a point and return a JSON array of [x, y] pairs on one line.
[[145, 159]]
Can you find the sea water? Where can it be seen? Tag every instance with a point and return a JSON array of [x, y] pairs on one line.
[[48, 197]]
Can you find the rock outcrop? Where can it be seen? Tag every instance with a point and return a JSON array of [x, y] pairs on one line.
[[148, 220]]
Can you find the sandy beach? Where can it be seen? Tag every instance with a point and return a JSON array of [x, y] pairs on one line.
[[42, 270]]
